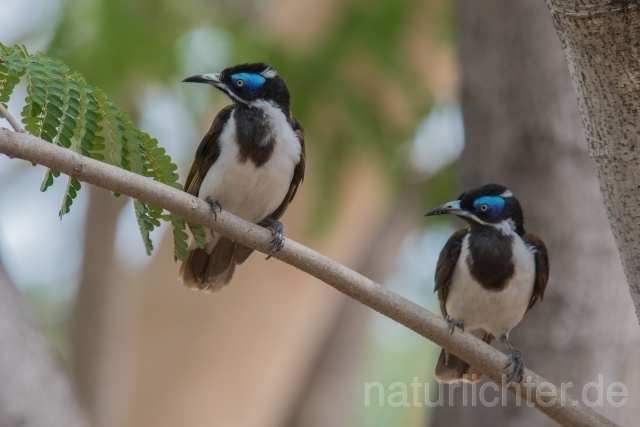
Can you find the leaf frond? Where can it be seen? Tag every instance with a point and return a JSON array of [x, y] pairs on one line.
[[63, 109]]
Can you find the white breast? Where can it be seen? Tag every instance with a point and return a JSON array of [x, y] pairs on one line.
[[248, 191], [495, 312]]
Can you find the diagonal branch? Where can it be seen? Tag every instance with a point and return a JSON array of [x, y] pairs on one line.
[[564, 409]]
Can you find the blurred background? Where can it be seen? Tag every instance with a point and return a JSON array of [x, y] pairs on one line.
[[388, 91]]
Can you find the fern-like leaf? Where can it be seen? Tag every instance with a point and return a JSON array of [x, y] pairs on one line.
[[73, 186], [179, 238], [113, 117], [63, 109], [198, 233], [11, 69], [47, 96], [126, 152], [144, 223], [158, 165]]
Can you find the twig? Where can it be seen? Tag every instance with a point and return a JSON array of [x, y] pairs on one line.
[[565, 410], [12, 121]]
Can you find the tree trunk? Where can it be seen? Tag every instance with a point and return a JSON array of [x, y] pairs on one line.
[[601, 43], [93, 323], [242, 357], [329, 397], [34, 389], [523, 130]]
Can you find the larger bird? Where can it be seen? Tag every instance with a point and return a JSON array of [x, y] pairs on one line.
[[489, 275], [250, 163]]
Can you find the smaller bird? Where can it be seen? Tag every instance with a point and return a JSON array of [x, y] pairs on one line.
[[250, 163], [489, 275]]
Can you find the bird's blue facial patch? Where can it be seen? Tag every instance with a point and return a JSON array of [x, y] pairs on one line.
[[247, 82], [490, 205]]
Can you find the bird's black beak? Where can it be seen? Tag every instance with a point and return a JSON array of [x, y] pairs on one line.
[[212, 79], [448, 208]]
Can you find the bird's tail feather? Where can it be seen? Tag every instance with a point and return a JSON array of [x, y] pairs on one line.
[[455, 369], [212, 268], [241, 254]]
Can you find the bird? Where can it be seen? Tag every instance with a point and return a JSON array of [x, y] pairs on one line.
[[489, 275], [250, 163]]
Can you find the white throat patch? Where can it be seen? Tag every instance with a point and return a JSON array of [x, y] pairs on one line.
[[506, 226]]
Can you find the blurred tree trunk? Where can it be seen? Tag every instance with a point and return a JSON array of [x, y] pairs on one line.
[[91, 345], [329, 397], [243, 356], [602, 51], [34, 389], [523, 130]]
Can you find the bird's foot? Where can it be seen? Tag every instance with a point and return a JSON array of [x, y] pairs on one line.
[[515, 359], [453, 323], [277, 233], [215, 204]]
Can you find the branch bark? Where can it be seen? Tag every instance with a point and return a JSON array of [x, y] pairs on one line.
[[565, 410], [601, 43], [12, 121]]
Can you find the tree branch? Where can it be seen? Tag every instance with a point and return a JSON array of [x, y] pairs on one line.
[[565, 410], [12, 121]]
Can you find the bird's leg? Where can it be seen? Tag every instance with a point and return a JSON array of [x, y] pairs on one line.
[[452, 327], [277, 233], [214, 204], [515, 359], [452, 324]]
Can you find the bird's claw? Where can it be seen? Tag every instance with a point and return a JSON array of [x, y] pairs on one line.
[[515, 359], [453, 323], [214, 204], [277, 241]]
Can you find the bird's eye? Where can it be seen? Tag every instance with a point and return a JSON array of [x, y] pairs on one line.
[[484, 207], [239, 82]]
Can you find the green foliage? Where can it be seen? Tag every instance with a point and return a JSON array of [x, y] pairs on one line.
[[343, 116], [198, 234], [11, 69], [336, 83], [63, 109], [179, 237]]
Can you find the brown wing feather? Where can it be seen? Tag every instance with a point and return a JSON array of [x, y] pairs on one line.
[[298, 175], [213, 271], [207, 153], [542, 267], [446, 263]]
